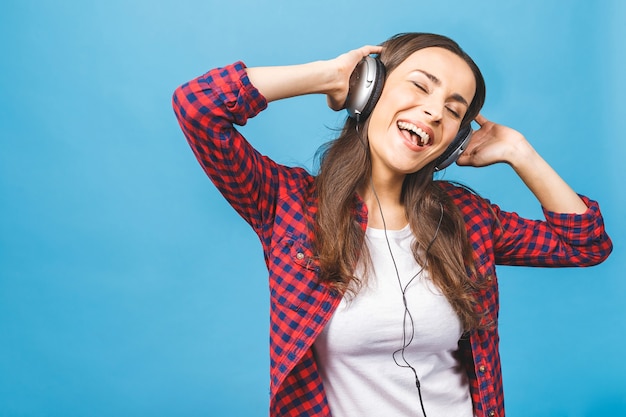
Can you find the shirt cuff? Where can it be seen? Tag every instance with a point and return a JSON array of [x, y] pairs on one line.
[[578, 228], [241, 98]]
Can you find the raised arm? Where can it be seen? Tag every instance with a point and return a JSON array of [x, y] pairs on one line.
[[329, 77], [209, 107]]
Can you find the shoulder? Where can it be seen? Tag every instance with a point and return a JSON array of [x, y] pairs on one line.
[[473, 207], [295, 178], [460, 193]]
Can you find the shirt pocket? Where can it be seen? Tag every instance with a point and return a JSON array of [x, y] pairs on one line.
[[294, 273]]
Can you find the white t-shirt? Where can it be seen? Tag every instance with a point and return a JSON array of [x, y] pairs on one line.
[[355, 350]]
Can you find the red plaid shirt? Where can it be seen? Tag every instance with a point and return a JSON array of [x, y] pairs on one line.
[[274, 198]]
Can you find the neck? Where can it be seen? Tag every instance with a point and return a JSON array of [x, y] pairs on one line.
[[384, 196]]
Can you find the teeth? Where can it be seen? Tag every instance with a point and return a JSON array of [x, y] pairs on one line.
[[423, 136]]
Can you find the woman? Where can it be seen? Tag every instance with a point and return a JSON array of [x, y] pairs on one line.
[[384, 298]]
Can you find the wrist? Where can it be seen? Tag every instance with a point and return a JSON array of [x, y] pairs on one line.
[[329, 79], [520, 154]]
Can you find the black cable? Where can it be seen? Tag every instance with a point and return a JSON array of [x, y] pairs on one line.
[[407, 312]]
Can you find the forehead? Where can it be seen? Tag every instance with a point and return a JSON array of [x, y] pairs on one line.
[[453, 72]]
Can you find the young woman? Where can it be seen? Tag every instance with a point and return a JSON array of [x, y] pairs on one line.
[[384, 298]]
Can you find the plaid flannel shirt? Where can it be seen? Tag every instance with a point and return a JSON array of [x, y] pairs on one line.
[[276, 201]]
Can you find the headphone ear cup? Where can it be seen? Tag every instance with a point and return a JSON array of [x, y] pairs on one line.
[[377, 89], [455, 149], [366, 85]]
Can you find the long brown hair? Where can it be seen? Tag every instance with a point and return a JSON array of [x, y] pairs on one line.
[[345, 167]]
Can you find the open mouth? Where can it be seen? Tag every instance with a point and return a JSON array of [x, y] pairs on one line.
[[417, 135]]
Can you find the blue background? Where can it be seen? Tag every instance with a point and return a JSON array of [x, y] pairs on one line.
[[128, 287]]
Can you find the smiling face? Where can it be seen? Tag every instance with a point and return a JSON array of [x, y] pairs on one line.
[[419, 111]]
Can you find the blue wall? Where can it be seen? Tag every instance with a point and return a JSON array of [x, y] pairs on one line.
[[128, 287]]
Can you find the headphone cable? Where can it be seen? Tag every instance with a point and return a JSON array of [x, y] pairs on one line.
[[403, 289]]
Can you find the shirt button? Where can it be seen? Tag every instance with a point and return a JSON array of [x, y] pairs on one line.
[[492, 413], [482, 369], [300, 255]]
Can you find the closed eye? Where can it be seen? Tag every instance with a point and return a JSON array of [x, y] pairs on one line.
[[454, 113], [420, 86]]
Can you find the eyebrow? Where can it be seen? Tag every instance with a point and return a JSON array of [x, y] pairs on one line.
[[437, 81]]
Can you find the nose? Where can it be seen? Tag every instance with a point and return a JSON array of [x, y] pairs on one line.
[[434, 116], [433, 109]]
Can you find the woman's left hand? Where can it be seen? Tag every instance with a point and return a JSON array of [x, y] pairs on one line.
[[493, 143]]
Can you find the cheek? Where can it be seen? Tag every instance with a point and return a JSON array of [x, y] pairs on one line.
[[377, 121], [384, 112]]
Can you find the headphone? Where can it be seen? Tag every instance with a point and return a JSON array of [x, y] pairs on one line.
[[365, 88]]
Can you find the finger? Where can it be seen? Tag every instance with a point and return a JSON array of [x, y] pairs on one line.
[[481, 120], [367, 50], [370, 49], [350, 59]]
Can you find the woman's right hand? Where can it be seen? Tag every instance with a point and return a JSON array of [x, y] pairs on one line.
[[344, 64]]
